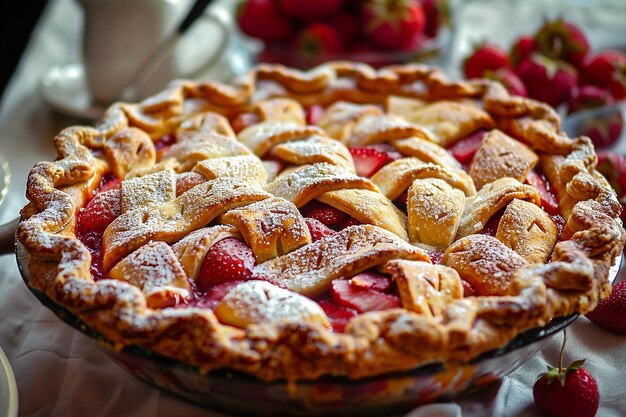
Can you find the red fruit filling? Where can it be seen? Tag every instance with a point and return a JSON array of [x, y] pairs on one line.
[[492, 224], [465, 149], [548, 199], [339, 316], [369, 160], [372, 281], [317, 229], [108, 182], [243, 120], [468, 289], [212, 297], [436, 256], [350, 221], [325, 214], [99, 212], [93, 219], [345, 294], [228, 260], [313, 114], [164, 142], [401, 202]]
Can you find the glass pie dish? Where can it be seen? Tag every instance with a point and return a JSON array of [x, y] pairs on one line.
[[380, 395], [279, 232]]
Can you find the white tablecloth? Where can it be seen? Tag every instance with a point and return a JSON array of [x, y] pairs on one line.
[[60, 372]]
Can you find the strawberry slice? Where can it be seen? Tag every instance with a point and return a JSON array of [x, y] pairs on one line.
[[100, 212], [401, 202], [165, 142], [228, 260], [548, 200], [361, 299], [243, 120], [108, 182], [215, 294], [338, 316], [436, 256], [387, 149], [468, 289], [368, 160], [317, 229], [314, 113], [465, 149], [323, 213], [371, 280], [491, 227], [350, 221]]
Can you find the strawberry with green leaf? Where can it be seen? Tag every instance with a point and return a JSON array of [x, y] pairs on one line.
[[608, 70], [485, 58], [610, 314], [547, 80], [567, 392], [393, 24], [562, 40]]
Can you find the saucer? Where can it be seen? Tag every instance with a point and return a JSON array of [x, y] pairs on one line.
[[64, 89], [8, 388]]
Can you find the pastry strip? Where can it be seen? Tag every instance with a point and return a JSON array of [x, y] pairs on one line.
[[309, 270]]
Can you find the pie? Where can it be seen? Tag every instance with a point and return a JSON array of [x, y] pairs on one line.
[[341, 220]]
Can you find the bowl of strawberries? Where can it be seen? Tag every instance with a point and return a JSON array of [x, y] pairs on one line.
[[303, 34], [556, 64]]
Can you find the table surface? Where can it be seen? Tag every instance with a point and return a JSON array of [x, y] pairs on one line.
[[60, 372]]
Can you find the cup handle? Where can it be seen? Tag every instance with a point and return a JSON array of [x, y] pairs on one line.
[[219, 51]]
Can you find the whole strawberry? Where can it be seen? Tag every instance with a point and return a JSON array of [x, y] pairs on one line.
[[261, 19], [588, 97], [570, 392], [522, 49], [318, 39], [607, 70], [436, 13], [486, 57], [613, 166], [309, 10], [604, 129], [547, 80], [508, 79], [559, 39], [610, 313], [394, 24]]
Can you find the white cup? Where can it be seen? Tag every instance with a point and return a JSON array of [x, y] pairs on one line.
[[121, 35]]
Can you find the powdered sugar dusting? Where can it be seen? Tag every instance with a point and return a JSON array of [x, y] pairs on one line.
[[153, 268], [271, 227], [310, 269], [246, 167], [315, 149], [156, 188], [485, 262], [257, 302], [306, 183]]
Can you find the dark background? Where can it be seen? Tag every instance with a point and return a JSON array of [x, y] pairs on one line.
[[19, 18]]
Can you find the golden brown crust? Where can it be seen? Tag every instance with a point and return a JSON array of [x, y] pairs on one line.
[[434, 210], [271, 227], [373, 342], [484, 262], [501, 156], [450, 121], [396, 177], [310, 269], [528, 230], [494, 196]]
